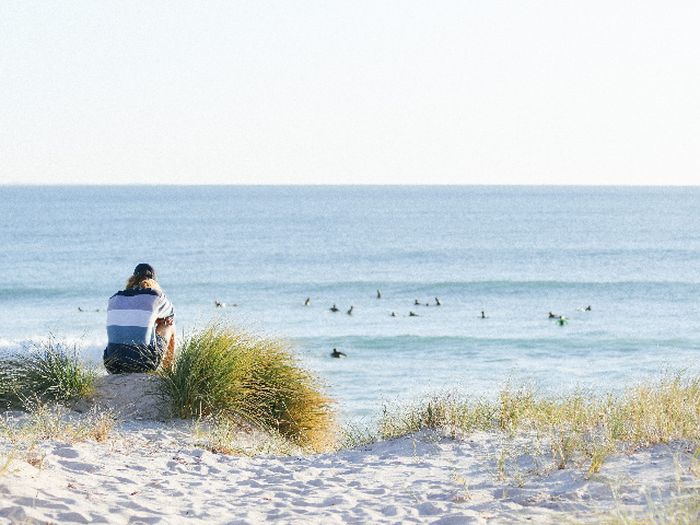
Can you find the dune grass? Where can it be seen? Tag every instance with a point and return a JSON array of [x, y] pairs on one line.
[[437, 411], [224, 436], [47, 371], [223, 373], [681, 509], [44, 422], [5, 462], [578, 428], [21, 435]]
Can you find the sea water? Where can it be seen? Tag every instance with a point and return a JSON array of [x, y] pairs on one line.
[[515, 253]]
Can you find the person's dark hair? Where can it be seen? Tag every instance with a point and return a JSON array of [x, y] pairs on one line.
[[144, 277], [145, 270]]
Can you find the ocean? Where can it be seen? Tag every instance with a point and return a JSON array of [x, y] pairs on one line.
[[515, 253]]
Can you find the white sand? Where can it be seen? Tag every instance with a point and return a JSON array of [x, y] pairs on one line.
[[150, 472], [127, 396]]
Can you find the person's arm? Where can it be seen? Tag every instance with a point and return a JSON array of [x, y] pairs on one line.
[[165, 313]]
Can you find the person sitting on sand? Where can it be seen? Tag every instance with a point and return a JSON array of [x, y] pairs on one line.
[[140, 326]]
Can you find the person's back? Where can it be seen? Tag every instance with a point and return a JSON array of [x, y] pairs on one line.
[[140, 329]]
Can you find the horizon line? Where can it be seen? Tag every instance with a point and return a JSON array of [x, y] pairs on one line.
[[331, 185]]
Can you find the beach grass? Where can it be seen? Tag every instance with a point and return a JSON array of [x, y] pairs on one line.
[[54, 422], [446, 412], [23, 434], [5, 462], [681, 509], [229, 374], [581, 428], [225, 436], [46, 371]]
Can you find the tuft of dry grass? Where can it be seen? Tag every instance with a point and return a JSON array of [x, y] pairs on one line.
[[446, 412], [44, 422], [224, 436], [24, 434], [5, 462], [681, 509], [230, 374]]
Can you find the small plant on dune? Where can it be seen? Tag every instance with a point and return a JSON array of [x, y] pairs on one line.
[[224, 436], [98, 426], [48, 371], [446, 412], [514, 407], [219, 437], [5, 462], [683, 508], [354, 435], [658, 413], [598, 451], [55, 422], [231, 374]]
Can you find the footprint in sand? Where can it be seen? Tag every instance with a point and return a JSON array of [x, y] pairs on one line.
[[334, 500], [73, 517], [389, 510], [77, 466], [66, 452], [428, 509], [315, 483]]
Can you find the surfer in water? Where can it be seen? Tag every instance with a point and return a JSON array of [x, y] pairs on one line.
[[337, 354], [334, 308]]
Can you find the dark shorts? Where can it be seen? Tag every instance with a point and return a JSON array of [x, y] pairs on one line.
[[128, 359]]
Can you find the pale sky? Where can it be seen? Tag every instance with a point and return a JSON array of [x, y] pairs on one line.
[[354, 92]]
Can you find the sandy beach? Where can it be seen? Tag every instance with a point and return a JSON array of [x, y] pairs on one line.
[[153, 472], [360, 263]]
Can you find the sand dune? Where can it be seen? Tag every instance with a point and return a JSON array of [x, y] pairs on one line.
[[151, 472]]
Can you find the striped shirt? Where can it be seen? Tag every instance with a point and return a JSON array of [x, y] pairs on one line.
[[132, 314]]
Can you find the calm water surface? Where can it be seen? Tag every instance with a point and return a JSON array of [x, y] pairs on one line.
[[516, 253]]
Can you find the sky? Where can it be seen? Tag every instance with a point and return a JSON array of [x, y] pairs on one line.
[[354, 92]]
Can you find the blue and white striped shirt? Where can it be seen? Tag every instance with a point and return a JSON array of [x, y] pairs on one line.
[[132, 314]]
